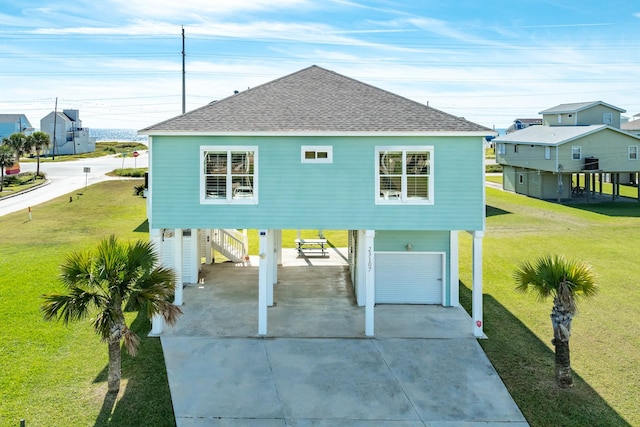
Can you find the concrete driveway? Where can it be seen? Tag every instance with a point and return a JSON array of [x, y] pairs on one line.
[[316, 367]]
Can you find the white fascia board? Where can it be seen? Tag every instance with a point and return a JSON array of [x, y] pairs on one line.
[[332, 133]]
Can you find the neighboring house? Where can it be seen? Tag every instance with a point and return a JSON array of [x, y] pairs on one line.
[[318, 150], [632, 126], [519, 124], [12, 123], [573, 146], [582, 114], [67, 134]]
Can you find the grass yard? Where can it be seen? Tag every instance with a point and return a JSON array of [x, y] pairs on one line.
[[604, 345], [56, 376], [53, 375]]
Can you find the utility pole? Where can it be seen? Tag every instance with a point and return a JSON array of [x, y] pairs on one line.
[[183, 76], [55, 116]]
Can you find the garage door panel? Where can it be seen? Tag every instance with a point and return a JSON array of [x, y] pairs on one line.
[[408, 278]]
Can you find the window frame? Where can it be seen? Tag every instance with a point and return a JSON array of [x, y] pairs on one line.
[[502, 148], [607, 118], [547, 153], [316, 149], [632, 149], [228, 200], [579, 148], [404, 199]]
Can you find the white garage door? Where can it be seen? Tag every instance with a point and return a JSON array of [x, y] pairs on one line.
[[409, 278]]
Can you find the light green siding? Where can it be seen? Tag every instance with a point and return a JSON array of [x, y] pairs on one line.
[[589, 116], [608, 146], [509, 178], [338, 195], [528, 156]]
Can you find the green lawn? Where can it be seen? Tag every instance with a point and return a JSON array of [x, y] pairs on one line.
[[54, 375], [605, 344]]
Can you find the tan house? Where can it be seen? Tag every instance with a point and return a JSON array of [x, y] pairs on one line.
[[577, 148], [632, 126]]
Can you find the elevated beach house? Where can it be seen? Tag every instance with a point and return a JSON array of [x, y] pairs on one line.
[[578, 147], [318, 150]]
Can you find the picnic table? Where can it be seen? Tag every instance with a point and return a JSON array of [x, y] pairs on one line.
[[310, 246]]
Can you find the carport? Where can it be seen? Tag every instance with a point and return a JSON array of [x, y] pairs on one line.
[[316, 366]]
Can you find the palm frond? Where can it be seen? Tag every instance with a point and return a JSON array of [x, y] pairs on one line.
[[554, 275], [131, 341], [75, 305]]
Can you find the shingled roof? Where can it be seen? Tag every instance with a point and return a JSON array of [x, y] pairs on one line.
[[315, 100]]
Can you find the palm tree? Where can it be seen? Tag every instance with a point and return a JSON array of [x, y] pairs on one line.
[[39, 141], [7, 158], [565, 281], [115, 278], [18, 142]]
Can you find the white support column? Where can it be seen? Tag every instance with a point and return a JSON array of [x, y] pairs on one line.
[[194, 265], [208, 251], [157, 322], [271, 266], [370, 286], [361, 269], [476, 292], [454, 275], [263, 278], [177, 265], [279, 249]]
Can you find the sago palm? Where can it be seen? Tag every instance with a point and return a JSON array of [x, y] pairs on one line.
[[565, 281], [115, 278]]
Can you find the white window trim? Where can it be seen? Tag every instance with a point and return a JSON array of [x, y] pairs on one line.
[[632, 149], [502, 149], [579, 147], [547, 153], [607, 118], [229, 200], [317, 148], [403, 200], [521, 178]]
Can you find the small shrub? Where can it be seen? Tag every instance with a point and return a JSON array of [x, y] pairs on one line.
[[138, 190], [130, 172], [493, 168]]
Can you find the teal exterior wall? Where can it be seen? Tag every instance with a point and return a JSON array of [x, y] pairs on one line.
[[339, 195]]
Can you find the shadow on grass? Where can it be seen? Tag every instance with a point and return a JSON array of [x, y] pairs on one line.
[[143, 227], [626, 208], [144, 398], [493, 211], [526, 366]]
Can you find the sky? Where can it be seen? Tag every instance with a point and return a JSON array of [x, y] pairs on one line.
[[119, 62]]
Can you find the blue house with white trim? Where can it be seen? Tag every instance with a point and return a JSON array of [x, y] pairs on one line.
[[318, 150]]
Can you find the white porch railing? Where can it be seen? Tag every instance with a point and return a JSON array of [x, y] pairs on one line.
[[231, 243]]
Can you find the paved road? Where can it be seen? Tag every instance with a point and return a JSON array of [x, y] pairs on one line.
[[66, 177]]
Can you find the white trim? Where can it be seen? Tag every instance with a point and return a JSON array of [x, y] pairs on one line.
[[403, 199], [316, 133], [579, 147], [328, 149], [547, 153], [229, 200], [635, 147]]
